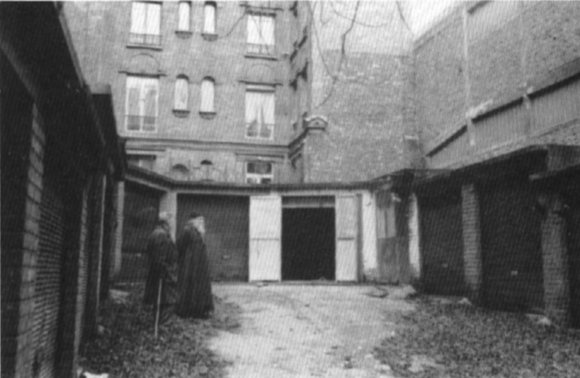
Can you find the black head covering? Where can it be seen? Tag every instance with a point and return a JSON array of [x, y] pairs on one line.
[[194, 215]]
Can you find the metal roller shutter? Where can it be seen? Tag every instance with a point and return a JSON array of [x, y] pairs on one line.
[[511, 247], [47, 297], [442, 245]]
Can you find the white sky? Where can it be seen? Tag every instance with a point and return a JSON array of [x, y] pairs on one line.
[[424, 12]]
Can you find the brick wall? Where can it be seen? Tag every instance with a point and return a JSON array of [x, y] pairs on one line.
[[555, 260], [22, 168], [366, 112], [509, 44], [439, 84], [471, 240]]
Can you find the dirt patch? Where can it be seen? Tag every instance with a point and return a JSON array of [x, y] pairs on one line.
[[306, 331], [127, 347], [447, 339]]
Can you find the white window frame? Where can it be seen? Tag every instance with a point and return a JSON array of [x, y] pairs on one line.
[[260, 40], [207, 104], [144, 161], [258, 178], [184, 16], [145, 28], [181, 93], [264, 119], [141, 83], [209, 17]]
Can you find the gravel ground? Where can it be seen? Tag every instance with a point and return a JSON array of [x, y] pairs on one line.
[[126, 346], [302, 330], [447, 339]]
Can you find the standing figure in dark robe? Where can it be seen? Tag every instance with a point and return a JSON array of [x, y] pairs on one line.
[[162, 256], [194, 284]]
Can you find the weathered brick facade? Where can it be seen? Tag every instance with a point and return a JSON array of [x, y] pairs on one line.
[[555, 260], [366, 133], [471, 240], [497, 104], [101, 35], [51, 131], [499, 52], [364, 88]]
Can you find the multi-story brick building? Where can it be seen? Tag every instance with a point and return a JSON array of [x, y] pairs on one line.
[[203, 90]]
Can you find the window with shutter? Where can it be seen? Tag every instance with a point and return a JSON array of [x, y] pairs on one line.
[[145, 24], [141, 104]]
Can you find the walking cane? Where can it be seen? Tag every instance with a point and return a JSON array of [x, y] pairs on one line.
[[158, 309]]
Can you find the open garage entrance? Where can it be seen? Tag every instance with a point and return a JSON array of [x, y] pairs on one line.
[[308, 240]]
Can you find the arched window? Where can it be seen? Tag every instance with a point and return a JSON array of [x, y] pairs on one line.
[[207, 95], [184, 21], [179, 172], [181, 97], [209, 18], [206, 167]]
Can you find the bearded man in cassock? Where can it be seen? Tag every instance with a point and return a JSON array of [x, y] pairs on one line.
[[194, 282], [162, 256]]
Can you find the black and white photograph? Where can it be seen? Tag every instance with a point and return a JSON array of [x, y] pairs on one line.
[[290, 189]]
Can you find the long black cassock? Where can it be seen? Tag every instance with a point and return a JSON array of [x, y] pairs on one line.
[[162, 266], [194, 282]]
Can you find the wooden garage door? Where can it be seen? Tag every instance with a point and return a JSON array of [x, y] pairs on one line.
[[511, 247], [47, 297], [442, 244], [227, 228]]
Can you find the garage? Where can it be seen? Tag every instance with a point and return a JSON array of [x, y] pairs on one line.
[[280, 249], [511, 246], [227, 229], [308, 238], [442, 244]]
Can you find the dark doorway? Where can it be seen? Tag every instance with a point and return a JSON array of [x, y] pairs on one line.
[[573, 234], [308, 244], [511, 246], [442, 244]]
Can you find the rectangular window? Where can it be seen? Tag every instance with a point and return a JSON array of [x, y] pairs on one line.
[[260, 111], [181, 96], [261, 39], [141, 105], [209, 23], [259, 172], [183, 23], [145, 24], [142, 161]]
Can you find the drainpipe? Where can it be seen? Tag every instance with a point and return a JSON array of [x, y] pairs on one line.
[[466, 78]]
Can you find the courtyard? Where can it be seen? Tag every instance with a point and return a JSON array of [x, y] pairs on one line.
[[327, 330]]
